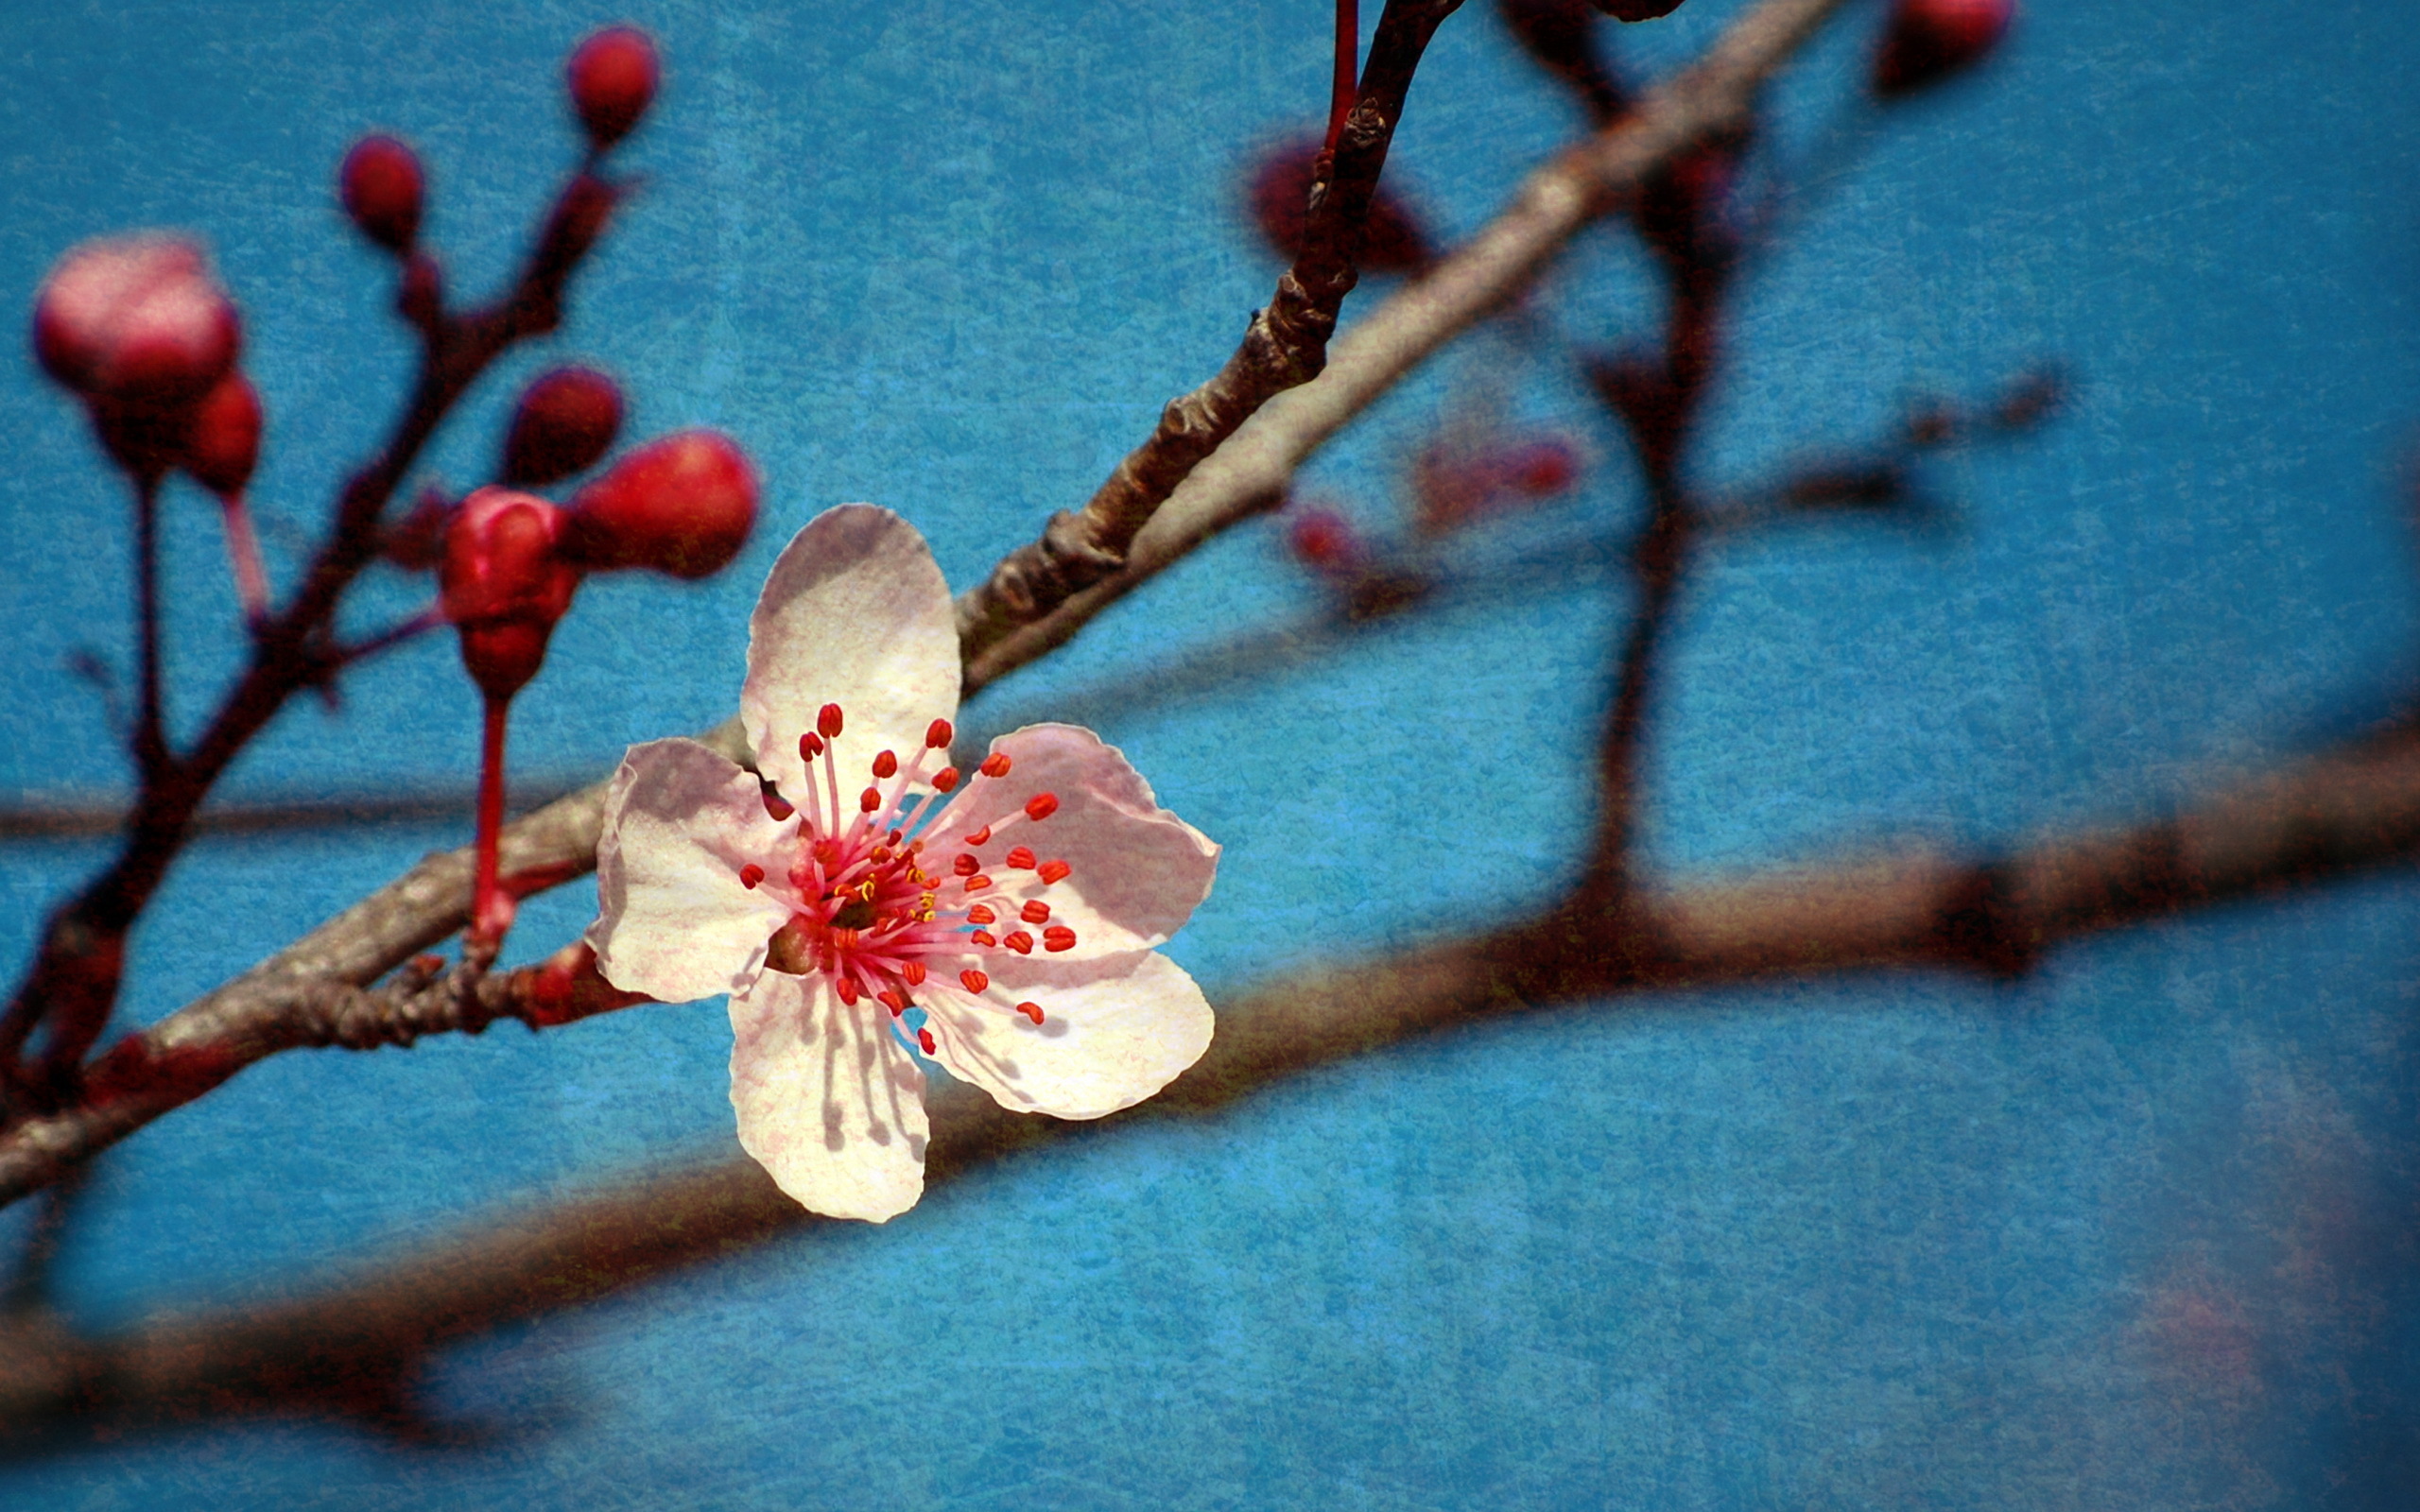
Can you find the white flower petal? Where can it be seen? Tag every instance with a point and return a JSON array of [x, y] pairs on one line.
[[1136, 870], [854, 613], [1113, 1032], [827, 1101], [672, 920]]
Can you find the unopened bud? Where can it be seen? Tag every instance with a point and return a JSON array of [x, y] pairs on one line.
[[1391, 238], [564, 423], [1928, 40], [135, 319], [504, 583], [1323, 540], [613, 76], [381, 186], [682, 506], [223, 438]]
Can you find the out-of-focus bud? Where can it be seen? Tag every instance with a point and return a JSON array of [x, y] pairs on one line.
[[1928, 40], [137, 320], [682, 506], [1560, 36], [1325, 541], [1636, 9], [504, 583], [1392, 240], [223, 438], [613, 77], [381, 186], [564, 423], [1538, 469], [416, 542]]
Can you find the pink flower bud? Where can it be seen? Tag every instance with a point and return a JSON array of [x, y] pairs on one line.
[[1928, 40], [564, 423], [504, 583], [613, 77], [1391, 238], [682, 506], [223, 438], [381, 186], [136, 319]]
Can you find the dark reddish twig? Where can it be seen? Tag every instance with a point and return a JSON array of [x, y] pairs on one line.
[[1347, 81]]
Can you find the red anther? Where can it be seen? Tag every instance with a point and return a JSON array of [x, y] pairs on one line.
[[980, 915], [1035, 912], [980, 836], [1042, 805], [937, 735], [977, 882], [564, 423], [847, 987], [886, 765], [381, 184], [892, 999], [1391, 238], [776, 807], [972, 980], [925, 1038], [750, 875], [1019, 941], [1058, 937], [945, 779], [985, 938], [223, 439], [914, 972], [1927, 41], [869, 799], [1031, 1011], [966, 865], [1053, 870], [682, 506], [827, 721], [135, 319], [995, 765], [810, 745], [1019, 857], [504, 585], [613, 76]]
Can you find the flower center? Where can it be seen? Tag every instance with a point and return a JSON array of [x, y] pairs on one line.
[[872, 912]]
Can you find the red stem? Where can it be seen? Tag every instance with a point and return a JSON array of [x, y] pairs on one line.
[[1348, 51], [491, 910]]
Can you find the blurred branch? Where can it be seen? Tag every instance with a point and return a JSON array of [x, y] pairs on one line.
[[260, 1013], [74, 820], [354, 1348]]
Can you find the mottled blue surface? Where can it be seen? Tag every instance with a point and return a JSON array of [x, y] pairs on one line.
[[2134, 1231]]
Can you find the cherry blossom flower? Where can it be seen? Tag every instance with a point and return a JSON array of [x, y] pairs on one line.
[[866, 904]]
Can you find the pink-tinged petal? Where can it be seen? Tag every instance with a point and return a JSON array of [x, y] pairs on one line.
[[1113, 1033], [854, 613], [828, 1103], [1136, 871], [673, 921]]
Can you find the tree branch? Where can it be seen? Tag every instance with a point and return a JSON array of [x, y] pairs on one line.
[[353, 1349], [202, 1045]]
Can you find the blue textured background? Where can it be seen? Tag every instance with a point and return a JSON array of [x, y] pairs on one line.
[[2134, 1231]]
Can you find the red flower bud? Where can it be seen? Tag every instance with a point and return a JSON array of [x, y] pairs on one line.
[[1636, 9], [1392, 239], [613, 77], [504, 583], [682, 506], [564, 423], [223, 439], [136, 319], [1928, 40], [1542, 468], [380, 184], [1323, 539]]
